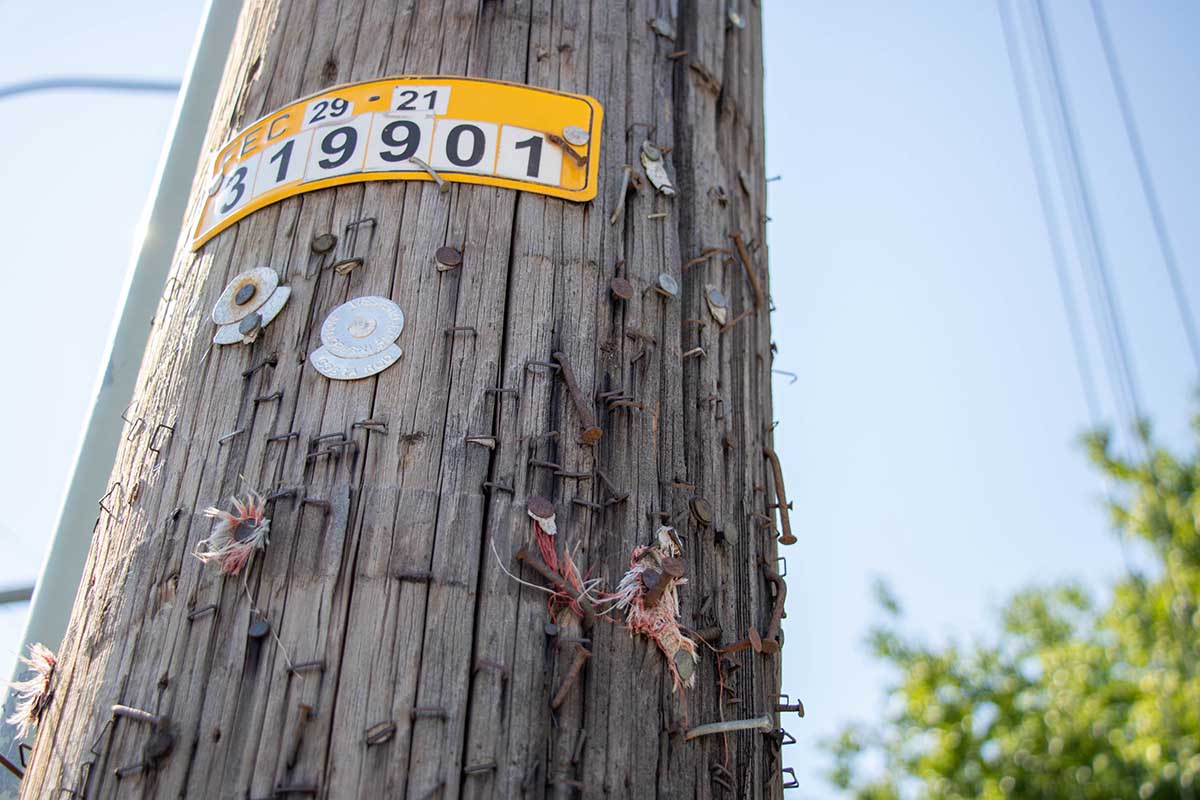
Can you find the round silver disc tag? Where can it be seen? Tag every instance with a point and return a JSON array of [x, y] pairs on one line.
[[349, 369], [262, 279], [362, 327]]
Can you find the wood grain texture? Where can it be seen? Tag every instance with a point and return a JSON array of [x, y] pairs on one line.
[[397, 585]]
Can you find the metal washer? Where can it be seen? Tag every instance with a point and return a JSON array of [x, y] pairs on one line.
[[362, 327], [263, 279]]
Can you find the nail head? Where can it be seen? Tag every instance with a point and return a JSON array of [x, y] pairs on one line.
[[701, 510], [448, 257], [540, 507], [323, 243], [622, 289], [575, 135], [259, 628], [245, 294]]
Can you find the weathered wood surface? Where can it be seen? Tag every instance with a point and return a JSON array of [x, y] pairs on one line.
[[396, 588]]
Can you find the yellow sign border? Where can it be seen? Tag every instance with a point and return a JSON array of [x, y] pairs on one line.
[[223, 158]]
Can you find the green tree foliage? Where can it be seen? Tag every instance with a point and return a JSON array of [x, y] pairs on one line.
[[1071, 697]]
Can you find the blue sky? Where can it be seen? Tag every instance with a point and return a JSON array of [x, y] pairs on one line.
[[930, 436]]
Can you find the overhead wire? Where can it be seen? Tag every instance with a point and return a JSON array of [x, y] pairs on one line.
[[89, 84], [1165, 246], [1093, 254], [1053, 230]]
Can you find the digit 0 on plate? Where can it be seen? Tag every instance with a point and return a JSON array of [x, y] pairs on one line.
[[469, 130]]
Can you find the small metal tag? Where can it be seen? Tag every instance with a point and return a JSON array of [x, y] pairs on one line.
[[349, 369], [261, 282], [362, 327]]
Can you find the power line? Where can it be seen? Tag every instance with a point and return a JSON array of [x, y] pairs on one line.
[[1053, 231], [88, 84], [1087, 228], [1152, 202]]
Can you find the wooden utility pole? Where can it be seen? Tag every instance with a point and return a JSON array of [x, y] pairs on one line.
[[378, 646]]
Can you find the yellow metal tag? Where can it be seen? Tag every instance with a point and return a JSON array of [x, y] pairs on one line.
[[465, 130]]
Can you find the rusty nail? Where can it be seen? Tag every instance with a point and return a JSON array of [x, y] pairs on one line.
[[316, 502], [579, 476], [270, 361], [202, 612], [590, 434], [535, 563], [701, 510], [474, 769], [370, 425], [283, 437], [582, 654], [304, 712], [447, 258], [132, 769], [499, 487], [748, 264], [695, 351], [308, 666], [539, 506], [323, 243], [279, 494], [441, 183], [259, 628], [269, 398], [379, 733], [579, 501], [227, 437], [537, 462], [621, 289], [626, 177], [552, 367], [762, 723], [347, 265], [780, 496], [483, 441], [577, 753]]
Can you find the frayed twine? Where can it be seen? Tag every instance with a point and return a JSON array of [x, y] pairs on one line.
[[33, 693], [235, 536], [650, 597]]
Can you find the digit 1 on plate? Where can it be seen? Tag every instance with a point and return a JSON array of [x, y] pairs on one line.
[[526, 156], [283, 162]]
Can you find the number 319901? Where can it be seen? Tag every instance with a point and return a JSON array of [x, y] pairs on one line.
[[403, 129]]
